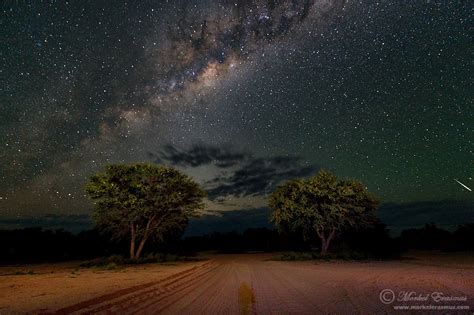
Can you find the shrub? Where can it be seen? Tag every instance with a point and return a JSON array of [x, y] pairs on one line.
[[111, 266], [343, 255], [117, 260]]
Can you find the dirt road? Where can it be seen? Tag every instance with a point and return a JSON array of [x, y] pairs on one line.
[[249, 284]]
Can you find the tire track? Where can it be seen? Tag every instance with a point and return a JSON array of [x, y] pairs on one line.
[[103, 302], [162, 303], [214, 299], [134, 303]]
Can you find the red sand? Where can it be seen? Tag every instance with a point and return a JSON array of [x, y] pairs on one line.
[[250, 284]]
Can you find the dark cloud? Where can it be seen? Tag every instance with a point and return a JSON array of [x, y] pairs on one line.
[[259, 176], [73, 223], [245, 174], [447, 214], [199, 155]]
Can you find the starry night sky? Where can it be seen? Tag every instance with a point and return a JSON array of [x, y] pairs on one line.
[[241, 95]]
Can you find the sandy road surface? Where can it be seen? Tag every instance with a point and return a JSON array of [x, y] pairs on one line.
[[26, 288], [250, 284]]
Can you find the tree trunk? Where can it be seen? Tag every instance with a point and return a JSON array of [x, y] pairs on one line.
[[145, 237], [132, 241], [324, 247], [325, 241], [324, 244], [140, 247]]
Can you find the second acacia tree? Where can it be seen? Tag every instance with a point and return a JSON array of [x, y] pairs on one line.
[[324, 205]]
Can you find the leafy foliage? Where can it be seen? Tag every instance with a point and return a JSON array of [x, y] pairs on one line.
[[322, 204], [142, 201]]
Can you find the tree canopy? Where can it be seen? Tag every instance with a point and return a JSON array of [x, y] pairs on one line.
[[322, 204], [140, 201]]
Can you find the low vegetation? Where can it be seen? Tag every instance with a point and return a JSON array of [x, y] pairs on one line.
[[115, 261], [315, 255], [34, 245]]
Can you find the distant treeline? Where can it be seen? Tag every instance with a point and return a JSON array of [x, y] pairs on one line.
[[35, 245]]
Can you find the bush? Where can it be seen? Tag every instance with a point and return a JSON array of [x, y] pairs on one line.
[[343, 255], [117, 260], [111, 266], [98, 262], [104, 262], [21, 273], [291, 256]]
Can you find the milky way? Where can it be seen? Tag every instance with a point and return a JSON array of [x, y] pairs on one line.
[[242, 95]]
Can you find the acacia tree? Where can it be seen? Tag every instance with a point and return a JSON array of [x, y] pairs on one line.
[[322, 204], [139, 201]]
